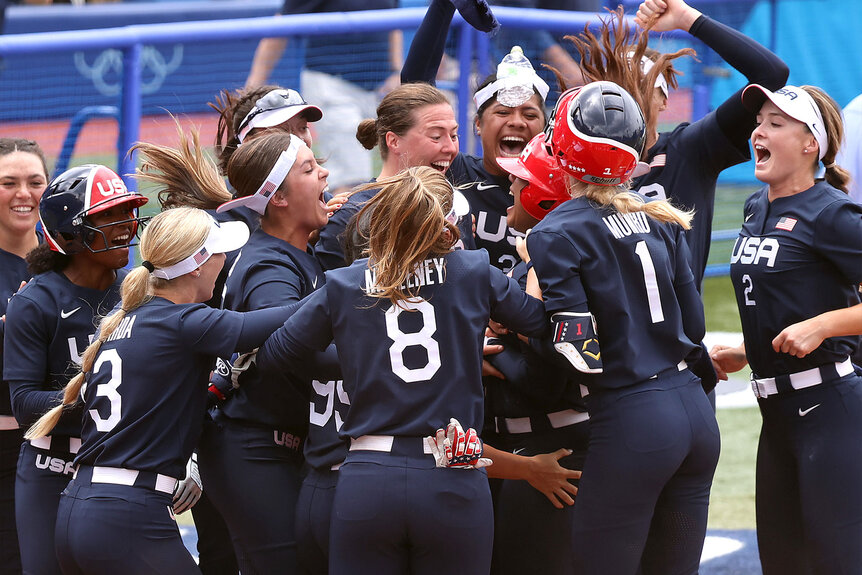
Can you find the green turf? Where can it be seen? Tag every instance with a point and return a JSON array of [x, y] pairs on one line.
[[719, 303], [732, 500]]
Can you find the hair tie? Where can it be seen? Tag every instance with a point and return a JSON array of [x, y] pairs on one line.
[[150, 267], [829, 166]]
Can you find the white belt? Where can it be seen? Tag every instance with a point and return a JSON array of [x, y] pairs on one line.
[[121, 476], [767, 386], [558, 419], [8, 423], [73, 444], [380, 443]]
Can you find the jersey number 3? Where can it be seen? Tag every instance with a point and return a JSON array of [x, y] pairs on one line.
[[109, 390], [422, 338]]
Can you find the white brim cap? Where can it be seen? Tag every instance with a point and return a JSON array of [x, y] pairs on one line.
[[223, 237], [274, 108], [793, 101]]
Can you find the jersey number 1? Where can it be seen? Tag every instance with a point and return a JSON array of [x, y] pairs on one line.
[[653, 297], [421, 338]]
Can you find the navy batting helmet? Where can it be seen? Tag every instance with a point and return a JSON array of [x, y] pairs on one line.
[[76, 194]]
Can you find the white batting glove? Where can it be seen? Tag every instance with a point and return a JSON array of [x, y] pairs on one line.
[[456, 448]]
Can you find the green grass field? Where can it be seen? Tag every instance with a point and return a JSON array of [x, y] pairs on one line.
[[732, 500]]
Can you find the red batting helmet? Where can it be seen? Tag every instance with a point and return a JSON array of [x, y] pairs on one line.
[[598, 133], [536, 165]]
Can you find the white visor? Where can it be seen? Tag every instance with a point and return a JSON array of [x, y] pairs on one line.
[[223, 237], [796, 103], [276, 107], [646, 66], [259, 200]]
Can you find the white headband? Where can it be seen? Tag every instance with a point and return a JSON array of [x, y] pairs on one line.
[[222, 237], [259, 200], [514, 85]]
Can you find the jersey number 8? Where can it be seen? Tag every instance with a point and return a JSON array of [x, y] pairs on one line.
[[421, 338]]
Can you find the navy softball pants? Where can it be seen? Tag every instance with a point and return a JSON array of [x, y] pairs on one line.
[[41, 477], [313, 520], [644, 495], [809, 480], [396, 513], [106, 529], [530, 534], [253, 476]]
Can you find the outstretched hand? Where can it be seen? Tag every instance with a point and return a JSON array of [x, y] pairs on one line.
[[552, 479]]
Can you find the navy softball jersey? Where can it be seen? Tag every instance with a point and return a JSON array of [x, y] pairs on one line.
[[797, 257], [142, 420], [406, 373], [646, 284], [254, 442], [14, 271], [644, 495], [49, 324], [458, 297]]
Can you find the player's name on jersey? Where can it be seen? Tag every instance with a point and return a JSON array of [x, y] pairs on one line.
[[123, 330], [622, 225], [429, 272]]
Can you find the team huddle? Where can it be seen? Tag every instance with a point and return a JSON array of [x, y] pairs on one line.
[[469, 364]]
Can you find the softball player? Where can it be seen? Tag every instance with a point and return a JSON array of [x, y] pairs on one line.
[[615, 276], [256, 440], [393, 509], [538, 406], [23, 178], [795, 268], [116, 515], [89, 219], [510, 111]]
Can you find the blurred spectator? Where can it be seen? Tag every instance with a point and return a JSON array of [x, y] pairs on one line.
[[850, 155], [342, 75]]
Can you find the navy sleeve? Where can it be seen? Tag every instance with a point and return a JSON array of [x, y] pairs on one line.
[[557, 265], [755, 62], [838, 237], [221, 332], [427, 47], [690, 301], [25, 360], [306, 332], [514, 308], [271, 285], [329, 249]]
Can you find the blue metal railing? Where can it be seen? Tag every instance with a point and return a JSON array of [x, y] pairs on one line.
[[130, 39]]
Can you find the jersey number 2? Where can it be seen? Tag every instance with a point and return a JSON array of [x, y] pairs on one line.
[[109, 390], [421, 338]]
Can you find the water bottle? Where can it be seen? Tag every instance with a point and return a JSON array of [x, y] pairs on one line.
[[516, 67]]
